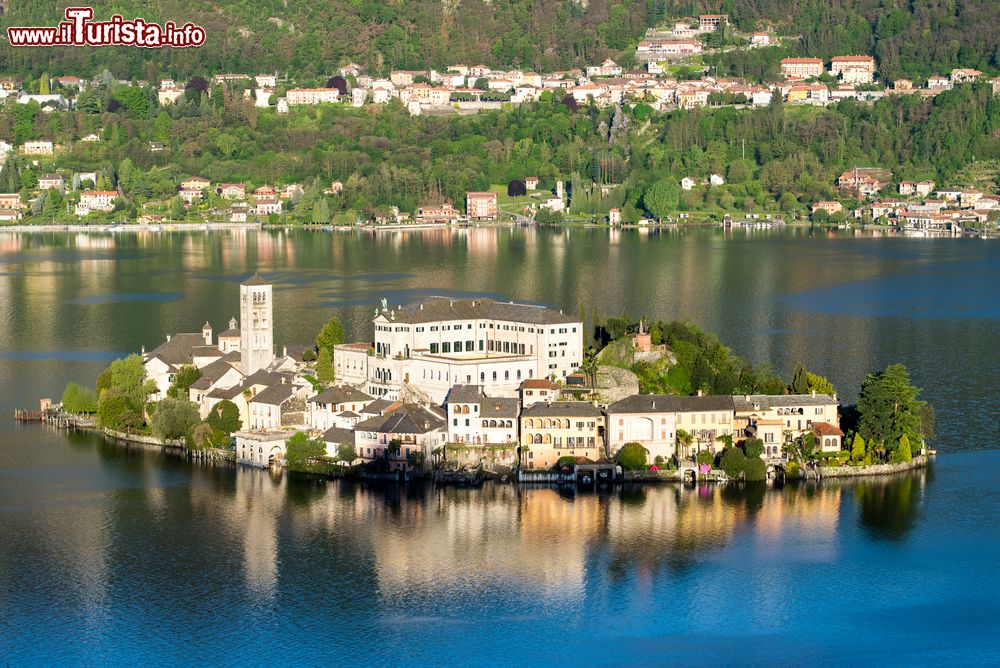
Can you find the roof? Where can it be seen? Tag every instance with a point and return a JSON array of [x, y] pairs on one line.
[[765, 401], [499, 408], [212, 373], [668, 403], [274, 395], [539, 384], [205, 351], [443, 308], [256, 279], [403, 419], [338, 394], [465, 394], [338, 435], [379, 406], [178, 350], [562, 409], [826, 429], [231, 333]]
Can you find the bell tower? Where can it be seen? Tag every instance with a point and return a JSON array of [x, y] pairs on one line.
[[256, 324]]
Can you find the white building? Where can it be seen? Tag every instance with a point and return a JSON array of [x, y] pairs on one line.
[[297, 96], [426, 348], [339, 406], [257, 331], [647, 419]]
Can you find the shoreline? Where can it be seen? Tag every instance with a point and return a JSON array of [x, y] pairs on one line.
[[136, 228], [643, 477]]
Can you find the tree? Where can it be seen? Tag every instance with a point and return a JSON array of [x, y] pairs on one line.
[[117, 412], [128, 378], [162, 126], [888, 408], [903, 454], [516, 188], [819, 384], [346, 452], [802, 448], [174, 418], [684, 440], [202, 436], [133, 99], [339, 83], [183, 380], [800, 380], [195, 88], [753, 447], [632, 457], [324, 366], [225, 416], [300, 450], [78, 399], [858, 449], [332, 334], [662, 198], [733, 462]]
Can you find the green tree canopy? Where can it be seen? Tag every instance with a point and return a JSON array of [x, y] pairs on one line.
[[183, 380], [332, 334], [300, 450], [79, 399], [174, 418], [225, 416]]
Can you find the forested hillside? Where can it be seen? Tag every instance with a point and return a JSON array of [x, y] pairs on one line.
[[778, 157], [311, 37]]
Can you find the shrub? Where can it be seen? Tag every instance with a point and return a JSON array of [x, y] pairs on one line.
[[792, 470], [565, 461], [632, 457], [707, 457]]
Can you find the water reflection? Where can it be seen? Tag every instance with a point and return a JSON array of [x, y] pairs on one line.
[[889, 509]]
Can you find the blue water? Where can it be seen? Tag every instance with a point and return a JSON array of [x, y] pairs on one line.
[[112, 555]]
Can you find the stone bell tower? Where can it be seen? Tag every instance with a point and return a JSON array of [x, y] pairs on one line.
[[256, 324]]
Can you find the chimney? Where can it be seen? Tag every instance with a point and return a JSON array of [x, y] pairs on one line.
[[701, 393], [168, 337], [814, 393], [143, 350], [421, 306], [284, 351]]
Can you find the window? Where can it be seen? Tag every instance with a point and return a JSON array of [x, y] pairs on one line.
[[466, 422], [446, 347], [434, 348], [469, 346]]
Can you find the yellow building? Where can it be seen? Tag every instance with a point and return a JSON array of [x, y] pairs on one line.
[[560, 429]]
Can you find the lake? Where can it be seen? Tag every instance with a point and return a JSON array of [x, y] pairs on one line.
[[124, 555]]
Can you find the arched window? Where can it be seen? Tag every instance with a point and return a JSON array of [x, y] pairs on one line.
[[482, 377], [493, 423], [547, 439], [506, 375], [519, 374], [494, 376]]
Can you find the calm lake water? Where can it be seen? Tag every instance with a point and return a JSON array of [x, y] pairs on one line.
[[113, 555]]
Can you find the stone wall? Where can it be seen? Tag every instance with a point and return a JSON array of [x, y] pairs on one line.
[[875, 469]]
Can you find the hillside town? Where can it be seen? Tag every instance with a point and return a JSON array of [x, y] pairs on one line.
[[466, 381], [669, 76]]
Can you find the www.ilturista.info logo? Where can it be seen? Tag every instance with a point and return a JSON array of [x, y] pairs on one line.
[[79, 30]]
